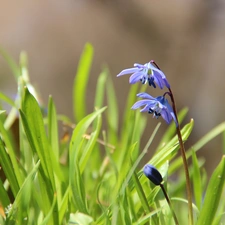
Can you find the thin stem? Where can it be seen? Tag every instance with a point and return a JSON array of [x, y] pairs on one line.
[[169, 203], [183, 154]]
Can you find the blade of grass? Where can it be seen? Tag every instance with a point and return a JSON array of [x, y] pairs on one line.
[[75, 180], [171, 131], [47, 219], [140, 157], [7, 100], [197, 180], [11, 163], [90, 145], [100, 89], [63, 206], [34, 128], [80, 83], [213, 195], [22, 200], [168, 151], [198, 145], [141, 193], [53, 128], [112, 112], [4, 200], [12, 64]]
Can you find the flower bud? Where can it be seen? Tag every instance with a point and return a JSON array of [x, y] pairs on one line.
[[153, 174]]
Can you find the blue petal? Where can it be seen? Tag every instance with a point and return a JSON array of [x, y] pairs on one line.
[[141, 103], [145, 95], [170, 110], [145, 109], [134, 78], [140, 65], [166, 83], [166, 115], [128, 71], [158, 79]]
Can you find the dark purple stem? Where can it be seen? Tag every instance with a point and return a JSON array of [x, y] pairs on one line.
[[183, 154]]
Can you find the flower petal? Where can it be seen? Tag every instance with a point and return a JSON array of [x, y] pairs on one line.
[[145, 95], [134, 78], [141, 66], [128, 71], [166, 83], [144, 102], [166, 115], [158, 79]]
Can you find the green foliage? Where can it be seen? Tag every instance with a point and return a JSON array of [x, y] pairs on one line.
[[91, 175]]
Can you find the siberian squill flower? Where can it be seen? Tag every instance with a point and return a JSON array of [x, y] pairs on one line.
[[153, 174], [158, 106], [146, 73]]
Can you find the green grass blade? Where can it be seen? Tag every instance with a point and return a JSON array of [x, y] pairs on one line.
[[10, 145], [75, 179], [53, 128], [4, 199], [63, 207], [90, 145], [171, 131], [198, 145], [8, 169], [52, 211], [80, 83], [138, 160], [168, 151], [141, 193], [197, 181], [6, 99], [100, 89], [213, 195], [34, 128], [24, 67], [78, 190], [112, 112], [22, 200], [12, 64]]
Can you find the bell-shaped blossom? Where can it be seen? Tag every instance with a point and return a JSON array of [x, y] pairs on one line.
[[146, 73], [153, 174], [158, 106]]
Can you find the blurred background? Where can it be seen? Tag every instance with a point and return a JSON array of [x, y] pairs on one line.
[[185, 38]]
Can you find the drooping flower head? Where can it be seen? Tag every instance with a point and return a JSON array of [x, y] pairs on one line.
[[158, 106], [153, 174], [146, 73]]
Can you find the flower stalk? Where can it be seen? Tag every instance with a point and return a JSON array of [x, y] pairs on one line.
[[184, 158], [183, 155]]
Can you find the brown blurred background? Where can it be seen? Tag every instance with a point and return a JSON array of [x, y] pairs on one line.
[[186, 38]]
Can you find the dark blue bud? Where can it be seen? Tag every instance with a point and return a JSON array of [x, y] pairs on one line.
[[153, 174]]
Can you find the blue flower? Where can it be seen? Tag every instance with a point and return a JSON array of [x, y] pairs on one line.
[[158, 106], [153, 174], [146, 73]]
